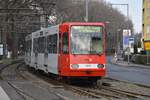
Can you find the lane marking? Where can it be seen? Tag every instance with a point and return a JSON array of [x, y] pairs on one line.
[[3, 95]]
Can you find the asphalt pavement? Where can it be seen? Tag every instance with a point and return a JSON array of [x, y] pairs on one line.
[[134, 73], [14, 87]]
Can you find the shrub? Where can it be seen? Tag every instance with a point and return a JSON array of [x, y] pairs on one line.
[[140, 59]]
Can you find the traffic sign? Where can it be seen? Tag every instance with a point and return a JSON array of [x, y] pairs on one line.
[[126, 35], [147, 45]]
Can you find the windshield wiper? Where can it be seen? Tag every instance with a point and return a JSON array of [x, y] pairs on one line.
[[95, 52]]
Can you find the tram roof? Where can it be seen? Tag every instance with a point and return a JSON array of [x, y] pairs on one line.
[[84, 23]]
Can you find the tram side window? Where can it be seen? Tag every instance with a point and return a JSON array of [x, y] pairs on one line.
[[55, 43], [41, 46], [60, 41], [44, 45], [28, 46], [65, 43], [35, 45], [49, 44], [52, 43]]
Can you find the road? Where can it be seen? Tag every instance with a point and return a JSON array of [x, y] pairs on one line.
[[131, 74]]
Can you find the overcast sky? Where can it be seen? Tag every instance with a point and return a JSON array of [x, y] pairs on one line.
[[135, 11]]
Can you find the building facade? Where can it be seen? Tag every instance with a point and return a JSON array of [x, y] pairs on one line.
[[146, 25]]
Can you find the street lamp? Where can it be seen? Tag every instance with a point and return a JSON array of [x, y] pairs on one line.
[[86, 17], [118, 42]]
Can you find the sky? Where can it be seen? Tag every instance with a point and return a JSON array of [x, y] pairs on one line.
[[135, 11]]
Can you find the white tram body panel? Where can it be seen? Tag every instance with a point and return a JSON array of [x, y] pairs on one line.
[[52, 59], [42, 58], [32, 54]]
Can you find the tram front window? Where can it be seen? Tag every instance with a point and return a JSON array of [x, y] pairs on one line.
[[86, 39]]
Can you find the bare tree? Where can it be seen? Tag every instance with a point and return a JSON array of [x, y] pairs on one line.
[[99, 11], [21, 17]]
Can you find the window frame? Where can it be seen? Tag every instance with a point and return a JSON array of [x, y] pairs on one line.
[[65, 43], [52, 43]]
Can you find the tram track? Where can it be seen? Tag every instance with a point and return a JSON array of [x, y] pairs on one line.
[[109, 93], [49, 90], [90, 92], [97, 93], [141, 85], [23, 94], [18, 71], [113, 93], [19, 91], [58, 84], [128, 93]]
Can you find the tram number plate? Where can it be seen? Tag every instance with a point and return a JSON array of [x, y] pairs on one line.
[[88, 65]]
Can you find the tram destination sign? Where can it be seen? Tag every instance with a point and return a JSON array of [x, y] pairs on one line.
[[87, 29]]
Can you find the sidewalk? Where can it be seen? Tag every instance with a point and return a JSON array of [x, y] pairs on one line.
[[125, 63], [3, 95]]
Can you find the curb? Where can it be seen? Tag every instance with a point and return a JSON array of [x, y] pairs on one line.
[[126, 81], [126, 65]]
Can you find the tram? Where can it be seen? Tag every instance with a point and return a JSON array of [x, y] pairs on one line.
[[71, 49]]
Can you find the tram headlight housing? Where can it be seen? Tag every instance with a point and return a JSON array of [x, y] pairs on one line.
[[100, 65], [75, 66]]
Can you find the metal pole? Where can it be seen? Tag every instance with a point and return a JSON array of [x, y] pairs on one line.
[[128, 32], [147, 54], [116, 42], [147, 58], [86, 17]]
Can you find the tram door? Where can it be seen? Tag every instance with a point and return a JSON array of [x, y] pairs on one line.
[[59, 55], [63, 50], [35, 50]]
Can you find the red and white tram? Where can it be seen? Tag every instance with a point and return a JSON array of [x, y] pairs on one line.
[[73, 49]]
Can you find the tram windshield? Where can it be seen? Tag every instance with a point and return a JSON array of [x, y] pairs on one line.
[[86, 39]]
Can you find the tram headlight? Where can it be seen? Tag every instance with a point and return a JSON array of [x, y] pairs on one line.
[[75, 66], [100, 65]]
